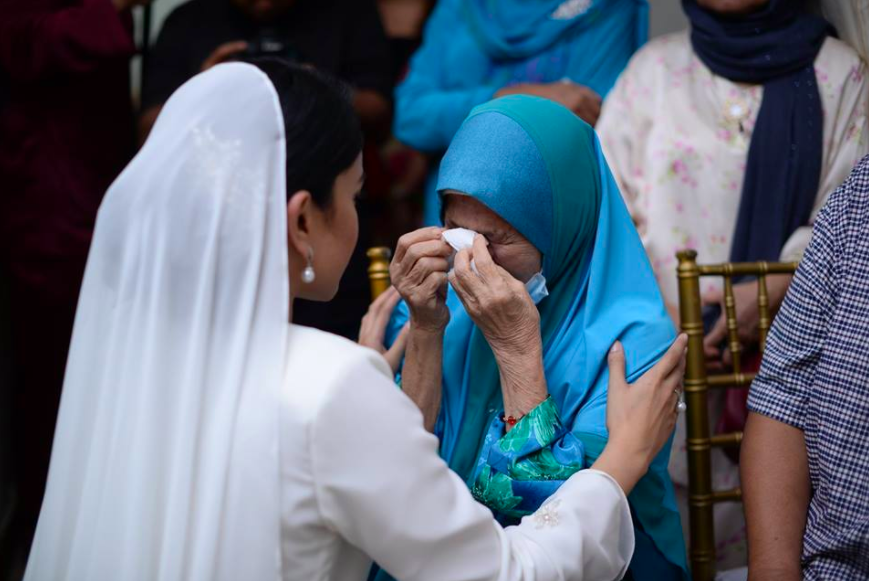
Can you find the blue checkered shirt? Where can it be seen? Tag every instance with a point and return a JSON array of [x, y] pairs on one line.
[[815, 377]]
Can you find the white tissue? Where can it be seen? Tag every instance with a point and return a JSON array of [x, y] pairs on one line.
[[459, 239]]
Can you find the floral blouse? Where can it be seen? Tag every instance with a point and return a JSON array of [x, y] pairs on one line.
[[676, 137]]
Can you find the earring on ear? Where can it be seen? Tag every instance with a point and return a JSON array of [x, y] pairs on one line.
[[308, 275]]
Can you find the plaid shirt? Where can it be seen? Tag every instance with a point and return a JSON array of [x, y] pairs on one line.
[[815, 377]]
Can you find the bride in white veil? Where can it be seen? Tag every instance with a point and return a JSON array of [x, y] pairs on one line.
[[164, 457], [201, 436]]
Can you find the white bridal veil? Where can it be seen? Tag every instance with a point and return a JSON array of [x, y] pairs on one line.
[[165, 460]]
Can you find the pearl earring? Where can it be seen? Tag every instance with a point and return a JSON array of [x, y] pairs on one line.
[[308, 275]]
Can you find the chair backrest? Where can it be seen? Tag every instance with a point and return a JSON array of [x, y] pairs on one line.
[[378, 269], [698, 382]]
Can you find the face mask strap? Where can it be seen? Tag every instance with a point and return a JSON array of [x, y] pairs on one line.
[[536, 287]]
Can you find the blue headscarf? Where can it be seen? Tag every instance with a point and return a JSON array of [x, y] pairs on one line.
[[473, 48], [541, 168], [518, 29], [775, 46]]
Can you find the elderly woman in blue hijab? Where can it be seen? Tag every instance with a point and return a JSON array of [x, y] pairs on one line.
[[507, 344], [570, 51]]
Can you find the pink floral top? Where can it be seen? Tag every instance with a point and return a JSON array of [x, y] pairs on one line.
[[676, 137]]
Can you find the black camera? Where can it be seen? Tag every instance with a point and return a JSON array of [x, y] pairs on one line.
[[268, 43]]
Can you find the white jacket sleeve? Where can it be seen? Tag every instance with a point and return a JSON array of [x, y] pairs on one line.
[[381, 485]]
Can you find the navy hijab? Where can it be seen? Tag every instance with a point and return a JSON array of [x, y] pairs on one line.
[[775, 46]]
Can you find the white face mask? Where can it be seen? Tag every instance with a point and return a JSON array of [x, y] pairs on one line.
[[460, 238]]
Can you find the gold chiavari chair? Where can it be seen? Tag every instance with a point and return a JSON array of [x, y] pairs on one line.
[[698, 382], [378, 269]]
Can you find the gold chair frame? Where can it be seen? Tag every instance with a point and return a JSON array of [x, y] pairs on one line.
[[378, 269], [701, 496]]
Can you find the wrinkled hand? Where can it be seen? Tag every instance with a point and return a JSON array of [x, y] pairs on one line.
[[498, 304], [747, 312], [223, 53], [584, 102], [373, 329], [641, 416], [419, 273]]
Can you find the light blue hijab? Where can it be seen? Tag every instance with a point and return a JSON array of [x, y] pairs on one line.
[[541, 168], [518, 29]]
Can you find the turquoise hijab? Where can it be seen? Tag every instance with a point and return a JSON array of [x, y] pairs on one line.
[[518, 29], [541, 168]]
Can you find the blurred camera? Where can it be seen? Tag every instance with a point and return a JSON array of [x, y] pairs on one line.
[[268, 43]]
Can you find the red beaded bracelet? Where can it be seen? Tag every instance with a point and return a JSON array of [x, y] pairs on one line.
[[510, 420]]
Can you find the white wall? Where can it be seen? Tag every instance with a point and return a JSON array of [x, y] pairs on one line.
[[666, 16]]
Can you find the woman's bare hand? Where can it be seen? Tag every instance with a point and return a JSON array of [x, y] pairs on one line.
[[640, 416], [419, 272], [373, 329]]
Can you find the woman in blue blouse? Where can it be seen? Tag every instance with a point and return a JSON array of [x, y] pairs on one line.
[[569, 51], [507, 362]]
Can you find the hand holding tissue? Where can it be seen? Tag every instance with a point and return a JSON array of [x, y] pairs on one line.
[[461, 238]]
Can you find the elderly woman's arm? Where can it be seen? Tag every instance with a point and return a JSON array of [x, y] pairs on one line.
[[419, 272], [502, 309], [523, 383], [422, 373]]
